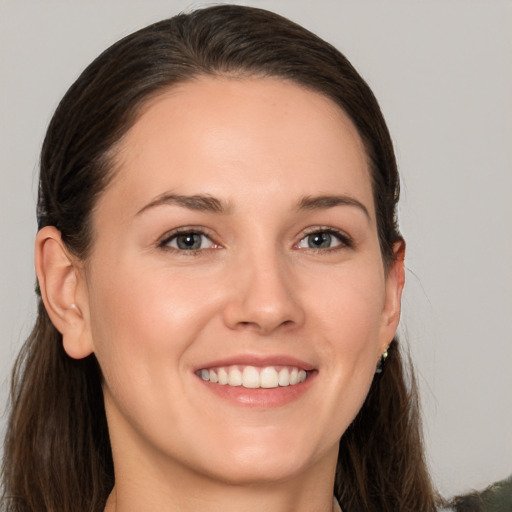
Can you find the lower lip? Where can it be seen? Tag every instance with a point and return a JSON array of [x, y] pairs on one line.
[[264, 398]]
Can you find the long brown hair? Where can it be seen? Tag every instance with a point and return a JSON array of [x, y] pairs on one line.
[[57, 452]]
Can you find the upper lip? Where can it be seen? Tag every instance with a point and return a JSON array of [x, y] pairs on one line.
[[258, 360]]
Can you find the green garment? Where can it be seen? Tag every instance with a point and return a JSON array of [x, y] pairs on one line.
[[496, 498]]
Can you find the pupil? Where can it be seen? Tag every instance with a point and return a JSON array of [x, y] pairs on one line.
[[189, 241], [320, 240]]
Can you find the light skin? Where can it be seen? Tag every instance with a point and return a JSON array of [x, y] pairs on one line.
[[270, 184]]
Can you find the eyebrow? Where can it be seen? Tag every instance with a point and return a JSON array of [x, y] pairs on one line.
[[207, 203], [328, 201], [198, 202]]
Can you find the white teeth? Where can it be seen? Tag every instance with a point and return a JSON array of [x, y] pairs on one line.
[[284, 377], [269, 377], [223, 376], [235, 377], [254, 377], [250, 377]]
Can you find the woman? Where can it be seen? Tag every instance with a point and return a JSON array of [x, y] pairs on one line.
[[220, 272]]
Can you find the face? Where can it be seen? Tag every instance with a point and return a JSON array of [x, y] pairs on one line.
[[236, 297]]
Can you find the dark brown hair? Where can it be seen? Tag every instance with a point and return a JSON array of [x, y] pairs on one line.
[[57, 452]]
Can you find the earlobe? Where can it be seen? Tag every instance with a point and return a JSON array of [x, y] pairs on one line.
[[59, 281], [395, 280]]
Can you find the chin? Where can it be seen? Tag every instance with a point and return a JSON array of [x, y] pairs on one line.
[[255, 470], [268, 459]]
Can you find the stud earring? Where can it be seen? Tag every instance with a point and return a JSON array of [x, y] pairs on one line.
[[380, 363], [75, 307]]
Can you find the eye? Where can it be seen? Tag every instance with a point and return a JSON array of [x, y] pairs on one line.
[[324, 239], [188, 241]]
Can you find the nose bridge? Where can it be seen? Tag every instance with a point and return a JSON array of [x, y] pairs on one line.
[[264, 294]]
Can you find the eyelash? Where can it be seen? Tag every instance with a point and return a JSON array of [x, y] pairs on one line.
[[345, 241], [169, 237]]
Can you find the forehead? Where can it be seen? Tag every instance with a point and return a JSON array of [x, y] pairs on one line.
[[237, 137]]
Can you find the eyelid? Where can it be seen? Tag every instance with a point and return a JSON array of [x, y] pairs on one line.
[[346, 241], [164, 240]]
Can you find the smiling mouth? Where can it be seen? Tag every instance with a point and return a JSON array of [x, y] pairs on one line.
[[254, 377]]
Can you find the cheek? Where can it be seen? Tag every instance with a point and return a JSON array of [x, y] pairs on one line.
[[348, 319], [143, 320], [349, 305], [144, 324]]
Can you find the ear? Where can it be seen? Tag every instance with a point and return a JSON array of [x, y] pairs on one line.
[[63, 291], [395, 280]]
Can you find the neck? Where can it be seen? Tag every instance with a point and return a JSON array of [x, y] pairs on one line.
[[245, 501], [158, 491]]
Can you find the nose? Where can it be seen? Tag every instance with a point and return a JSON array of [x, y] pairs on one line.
[[263, 296]]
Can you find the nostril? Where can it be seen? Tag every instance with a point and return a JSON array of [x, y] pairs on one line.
[[263, 326]]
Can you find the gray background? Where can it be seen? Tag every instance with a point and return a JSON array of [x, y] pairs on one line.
[[442, 71]]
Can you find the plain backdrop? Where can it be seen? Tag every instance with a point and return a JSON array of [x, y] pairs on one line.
[[442, 71]]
